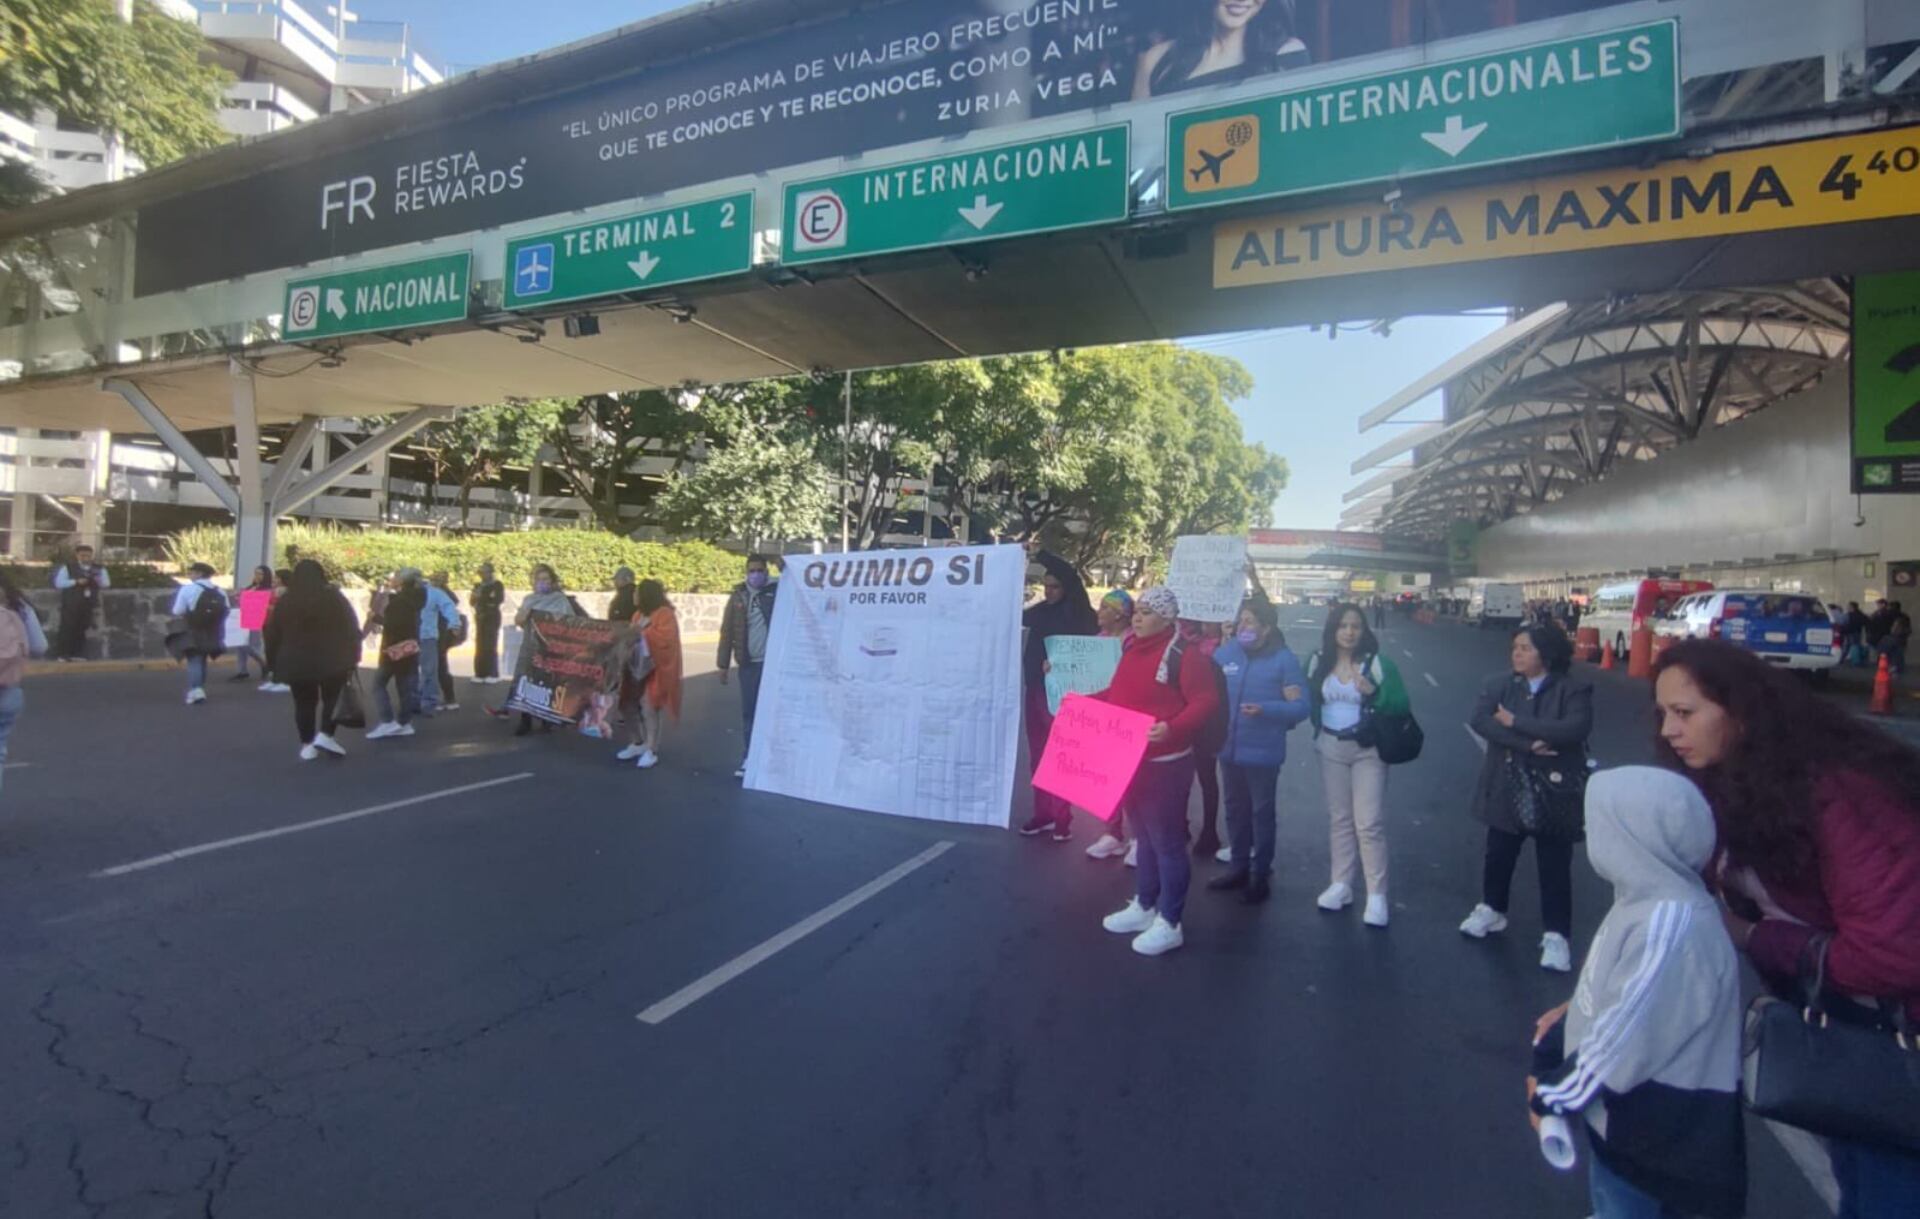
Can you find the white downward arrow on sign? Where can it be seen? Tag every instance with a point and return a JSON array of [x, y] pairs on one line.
[[981, 214], [337, 303], [1454, 139], [643, 266]]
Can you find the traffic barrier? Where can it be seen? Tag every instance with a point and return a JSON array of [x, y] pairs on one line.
[[1640, 654], [1882, 703], [1606, 656], [1586, 644]]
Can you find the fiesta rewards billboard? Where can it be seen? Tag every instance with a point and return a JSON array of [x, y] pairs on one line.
[[881, 77]]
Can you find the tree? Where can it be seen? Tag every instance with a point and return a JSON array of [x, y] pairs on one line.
[[598, 439], [761, 476], [476, 446], [143, 80]]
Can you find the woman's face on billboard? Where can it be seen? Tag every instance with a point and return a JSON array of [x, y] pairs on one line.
[[1231, 15]]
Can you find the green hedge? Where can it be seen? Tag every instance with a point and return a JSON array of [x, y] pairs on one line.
[[28, 576], [585, 560]]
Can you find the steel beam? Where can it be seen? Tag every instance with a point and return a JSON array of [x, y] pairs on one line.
[[368, 450], [175, 440]]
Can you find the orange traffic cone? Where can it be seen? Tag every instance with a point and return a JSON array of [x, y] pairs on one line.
[[1640, 654], [1606, 656], [1882, 703]]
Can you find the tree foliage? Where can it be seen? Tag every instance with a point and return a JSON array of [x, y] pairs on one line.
[[476, 446], [597, 441], [142, 79], [760, 477]]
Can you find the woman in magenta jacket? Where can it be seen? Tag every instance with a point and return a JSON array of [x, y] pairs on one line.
[[1819, 820]]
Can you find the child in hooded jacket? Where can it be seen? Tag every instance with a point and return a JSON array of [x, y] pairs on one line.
[[1648, 1050]]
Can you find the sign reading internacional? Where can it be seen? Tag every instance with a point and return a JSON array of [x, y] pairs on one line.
[[1036, 186], [1886, 383], [1575, 93], [400, 295], [1870, 176], [674, 245]]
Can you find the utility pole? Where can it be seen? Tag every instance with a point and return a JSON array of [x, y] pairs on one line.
[[846, 460]]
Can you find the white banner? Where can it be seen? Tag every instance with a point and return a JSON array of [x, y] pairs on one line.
[[1209, 575], [892, 683]]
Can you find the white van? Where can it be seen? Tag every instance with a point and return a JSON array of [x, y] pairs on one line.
[[1497, 605], [1618, 610]]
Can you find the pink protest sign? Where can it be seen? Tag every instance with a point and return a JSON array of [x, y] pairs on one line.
[[1092, 753], [254, 604]]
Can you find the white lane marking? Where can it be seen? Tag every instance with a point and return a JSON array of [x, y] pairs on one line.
[[1407, 652], [688, 995], [1810, 1157], [1477, 738], [1430, 680], [139, 865]]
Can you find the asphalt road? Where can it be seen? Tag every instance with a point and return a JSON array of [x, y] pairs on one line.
[[430, 1010]]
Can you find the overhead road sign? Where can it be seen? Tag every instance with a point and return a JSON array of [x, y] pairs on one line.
[[1868, 176], [671, 245], [1594, 91], [1886, 383], [398, 296], [1035, 186]]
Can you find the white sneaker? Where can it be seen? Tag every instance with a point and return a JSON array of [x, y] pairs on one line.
[[323, 741], [1224, 854], [196, 695], [308, 753], [1133, 853], [629, 753], [1106, 848], [1555, 953], [740, 771], [1337, 897], [402, 730], [1129, 919], [265, 687], [449, 706], [648, 760], [382, 730], [1483, 921], [1161, 937], [1376, 915]]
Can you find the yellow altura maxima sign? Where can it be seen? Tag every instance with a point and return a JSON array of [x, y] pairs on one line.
[[1868, 176]]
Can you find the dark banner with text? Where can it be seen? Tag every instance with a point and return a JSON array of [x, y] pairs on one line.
[[572, 674], [885, 76]]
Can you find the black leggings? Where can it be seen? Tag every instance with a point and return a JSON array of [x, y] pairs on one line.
[[312, 696], [1207, 770], [1555, 859]]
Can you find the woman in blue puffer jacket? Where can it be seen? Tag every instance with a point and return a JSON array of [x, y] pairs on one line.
[[1266, 697]]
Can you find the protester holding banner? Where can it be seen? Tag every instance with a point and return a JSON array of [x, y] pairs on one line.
[[1063, 609], [547, 598], [1114, 618], [1156, 677], [1266, 697], [255, 648], [623, 606], [399, 662], [314, 640], [1349, 681]]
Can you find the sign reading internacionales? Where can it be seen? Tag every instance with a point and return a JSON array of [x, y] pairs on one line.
[[673, 245], [1594, 91], [1032, 187], [1869, 176], [394, 297]]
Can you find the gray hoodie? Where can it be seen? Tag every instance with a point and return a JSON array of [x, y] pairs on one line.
[[1652, 1036]]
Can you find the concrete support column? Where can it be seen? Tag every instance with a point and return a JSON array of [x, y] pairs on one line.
[[536, 487], [93, 508], [253, 524], [20, 524]]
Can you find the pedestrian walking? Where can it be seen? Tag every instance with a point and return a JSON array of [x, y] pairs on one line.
[[399, 664], [21, 640], [548, 597], [1648, 1051], [487, 598], [659, 624], [1063, 609], [745, 626], [1266, 698], [1818, 865], [198, 632], [255, 647], [624, 605], [1534, 718], [80, 582], [313, 638], [1854, 635], [1157, 678], [452, 637], [1349, 681], [439, 622]]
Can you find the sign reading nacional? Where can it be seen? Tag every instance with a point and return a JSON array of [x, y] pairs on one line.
[[425, 292], [892, 683]]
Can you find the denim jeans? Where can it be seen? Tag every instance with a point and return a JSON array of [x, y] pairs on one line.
[[1251, 793], [12, 699], [1875, 1182], [750, 671], [1157, 804], [196, 671], [1614, 1197], [402, 700], [426, 687]]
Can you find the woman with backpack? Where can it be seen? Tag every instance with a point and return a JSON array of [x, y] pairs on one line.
[[21, 639], [1266, 697], [313, 637], [1350, 682], [1179, 692]]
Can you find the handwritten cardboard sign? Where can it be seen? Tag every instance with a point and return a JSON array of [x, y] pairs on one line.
[[1209, 575], [254, 604], [1082, 664], [1092, 754]]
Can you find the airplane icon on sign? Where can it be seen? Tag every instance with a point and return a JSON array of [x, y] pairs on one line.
[[533, 270], [1210, 164]]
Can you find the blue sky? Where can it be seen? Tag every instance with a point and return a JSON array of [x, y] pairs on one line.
[[1309, 391]]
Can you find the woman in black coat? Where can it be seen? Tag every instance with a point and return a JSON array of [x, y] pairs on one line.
[[399, 655], [1536, 715], [313, 645]]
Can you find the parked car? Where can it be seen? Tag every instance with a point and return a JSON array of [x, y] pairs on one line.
[[1792, 630], [1618, 610]]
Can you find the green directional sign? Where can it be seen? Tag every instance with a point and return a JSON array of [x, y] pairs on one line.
[[404, 294], [672, 245], [1035, 186], [1886, 383], [1594, 91]]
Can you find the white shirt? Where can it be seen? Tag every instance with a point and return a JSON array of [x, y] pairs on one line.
[[188, 597], [1339, 705]]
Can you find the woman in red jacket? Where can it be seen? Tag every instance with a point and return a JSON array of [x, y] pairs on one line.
[[1819, 820], [1158, 677]]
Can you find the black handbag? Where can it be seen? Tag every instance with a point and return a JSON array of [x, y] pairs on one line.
[[350, 710], [1805, 1067], [1549, 795], [1397, 738]]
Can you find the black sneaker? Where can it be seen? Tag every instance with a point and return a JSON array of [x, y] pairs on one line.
[[1035, 827], [239, 677], [1231, 880], [1259, 889]]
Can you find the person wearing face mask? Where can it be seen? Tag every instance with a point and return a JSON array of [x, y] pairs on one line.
[[488, 596], [744, 629], [547, 598], [622, 607], [1063, 609], [1266, 697]]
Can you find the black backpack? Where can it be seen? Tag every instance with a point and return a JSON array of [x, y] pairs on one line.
[[1212, 736], [210, 611]]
